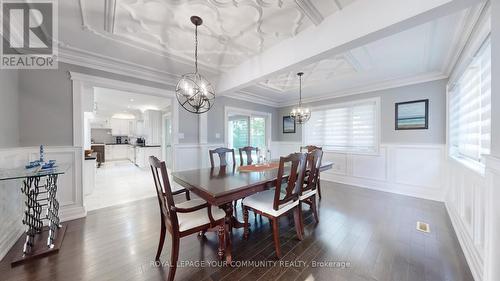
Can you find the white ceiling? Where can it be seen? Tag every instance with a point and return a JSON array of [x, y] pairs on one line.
[[154, 40], [110, 102], [423, 51]]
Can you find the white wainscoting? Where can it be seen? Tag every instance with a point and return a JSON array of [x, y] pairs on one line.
[[11, 200], [193, 156], [472, 203], [415, 170], [465, 202]]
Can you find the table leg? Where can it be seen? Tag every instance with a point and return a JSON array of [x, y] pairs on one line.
[[52, 209], [32, 212], [228, 208]]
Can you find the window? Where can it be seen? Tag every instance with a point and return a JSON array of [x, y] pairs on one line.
[[470, 108], [246, 128], [351, 127]]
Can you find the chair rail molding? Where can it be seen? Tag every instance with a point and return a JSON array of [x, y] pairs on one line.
[[408, 169]]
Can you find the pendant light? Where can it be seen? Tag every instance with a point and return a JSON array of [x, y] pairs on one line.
[[300, 114], [194, 92]]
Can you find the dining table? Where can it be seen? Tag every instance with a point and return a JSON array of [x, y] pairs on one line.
[[220, 186]]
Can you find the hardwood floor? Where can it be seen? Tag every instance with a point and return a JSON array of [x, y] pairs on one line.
[[374, 232]]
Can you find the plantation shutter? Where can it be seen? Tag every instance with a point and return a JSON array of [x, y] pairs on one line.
[[348, 128]]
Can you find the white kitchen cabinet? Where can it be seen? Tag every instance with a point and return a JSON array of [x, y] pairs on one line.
[[116, 152], [108, 153], [143, 153], [131, 153], [120, 127], [120, 152]]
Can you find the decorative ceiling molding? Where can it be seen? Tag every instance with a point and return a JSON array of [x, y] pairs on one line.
[[308, 8], [76, 56], [389, 84], [316, 72], [232, 31], [251, 97], [338, 4], [109, 15]]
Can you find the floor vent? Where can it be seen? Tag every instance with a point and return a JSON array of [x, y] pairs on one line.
[[424, 227]]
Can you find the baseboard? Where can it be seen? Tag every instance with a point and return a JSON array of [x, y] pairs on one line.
[[476, 264], [385, 186], [72, 213]]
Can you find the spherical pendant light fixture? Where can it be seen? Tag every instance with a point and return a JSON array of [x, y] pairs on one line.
[[194, 92], [300, 114]]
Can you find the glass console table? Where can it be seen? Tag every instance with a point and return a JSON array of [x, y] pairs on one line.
[[39, 188]]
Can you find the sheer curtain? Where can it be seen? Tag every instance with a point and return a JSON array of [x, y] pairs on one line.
[[470, 108], [351, 127]]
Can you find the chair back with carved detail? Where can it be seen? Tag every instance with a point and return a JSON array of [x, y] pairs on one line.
[[248, 152], [292, 188], [312, 175], [221, 151], [164, 193], [309, 148]]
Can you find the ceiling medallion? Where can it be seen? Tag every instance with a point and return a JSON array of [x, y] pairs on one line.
[[300, 114], [194, 92]]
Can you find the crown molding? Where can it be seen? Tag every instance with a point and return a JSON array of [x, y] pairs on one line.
[[251, 97], [463, 34], [389, 84], [76, 56]]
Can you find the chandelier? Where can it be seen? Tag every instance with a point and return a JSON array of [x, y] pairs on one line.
[[300, 114], [194, 92]]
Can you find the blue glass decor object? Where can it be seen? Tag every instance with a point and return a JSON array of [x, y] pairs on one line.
[[42, 156]]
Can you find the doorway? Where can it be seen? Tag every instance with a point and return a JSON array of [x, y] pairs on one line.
[[134, 113]]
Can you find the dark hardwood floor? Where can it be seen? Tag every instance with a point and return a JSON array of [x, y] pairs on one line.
[[373, 232]]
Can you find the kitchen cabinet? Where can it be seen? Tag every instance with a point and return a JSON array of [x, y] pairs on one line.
[[121, 127], [116, 152], [131, 153], [143, 153]]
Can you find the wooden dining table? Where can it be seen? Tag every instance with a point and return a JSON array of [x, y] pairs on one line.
[[220, 186]]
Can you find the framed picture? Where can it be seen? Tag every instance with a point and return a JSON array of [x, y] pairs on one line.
[[288, 125], [412, 115]]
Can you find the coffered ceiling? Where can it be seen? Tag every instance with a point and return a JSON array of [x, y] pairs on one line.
[[419, 54], [232, 30], [252, 49]]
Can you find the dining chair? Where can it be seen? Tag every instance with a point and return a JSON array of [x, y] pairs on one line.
[[277, 202], [308, 188], [221, 151], [310, 148], [248, 151], [185, 218]]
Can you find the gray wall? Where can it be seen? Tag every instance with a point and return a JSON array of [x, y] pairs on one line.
[[434, 91], [9, 104], [46, 108], [495, 81], [46, 102], [216, 116]]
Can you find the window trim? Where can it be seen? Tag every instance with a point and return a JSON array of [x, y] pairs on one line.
[[378, 125], [250, 113], [477, 166]]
